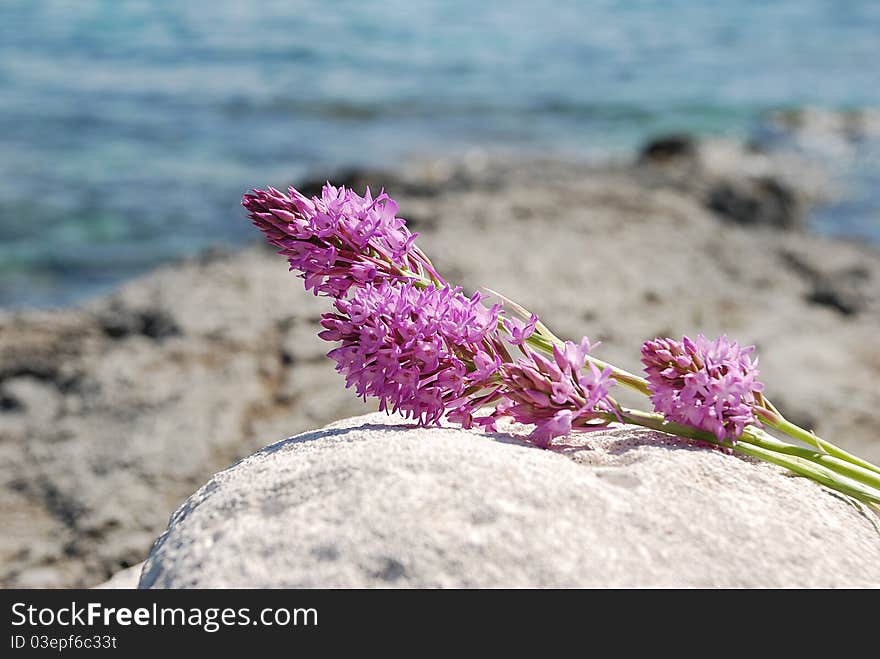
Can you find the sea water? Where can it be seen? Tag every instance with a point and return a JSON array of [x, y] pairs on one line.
[[129, 129]]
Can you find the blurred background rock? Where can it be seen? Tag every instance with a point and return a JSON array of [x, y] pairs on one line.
[[624, 170]]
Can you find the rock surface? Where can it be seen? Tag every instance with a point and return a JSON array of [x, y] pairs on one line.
[[112, 414], [370, 502], [123, 580], [740, 183]]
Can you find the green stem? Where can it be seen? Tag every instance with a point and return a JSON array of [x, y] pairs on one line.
[[837, 460], [758, 437], [822, 468], [809, 469], [417, 279], [792, 430], [629, 380], [656, 421], [543, 340]]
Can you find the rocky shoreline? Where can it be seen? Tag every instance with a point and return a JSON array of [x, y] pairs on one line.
[[115, 412]]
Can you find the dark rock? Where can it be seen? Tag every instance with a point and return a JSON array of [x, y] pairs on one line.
[[762, 201], [669, 147], [9, 403], [739, 182], [118, 321], [359, 178], [356, 178], [841, 290]]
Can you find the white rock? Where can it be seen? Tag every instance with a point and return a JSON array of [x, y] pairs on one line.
[[123, 580], [372, 502]]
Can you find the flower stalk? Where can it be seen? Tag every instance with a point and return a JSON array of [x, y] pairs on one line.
[[782, 424], [424, 349], [836, 474], [543, 340]]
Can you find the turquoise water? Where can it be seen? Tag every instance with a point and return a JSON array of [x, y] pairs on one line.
[[128, 130]]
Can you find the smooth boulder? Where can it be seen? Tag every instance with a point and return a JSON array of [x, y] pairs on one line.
[[375, 502]]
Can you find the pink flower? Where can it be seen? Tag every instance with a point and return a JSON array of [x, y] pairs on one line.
[[710, 385], [423, 352], [557, 395], [518, 331], [338, 240], [408, 338]]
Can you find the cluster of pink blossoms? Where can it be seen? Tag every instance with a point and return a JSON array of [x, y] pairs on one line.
[[425, 349], [710, 385], [418, 351], [337, 240], [406, 337], [557, 395]]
